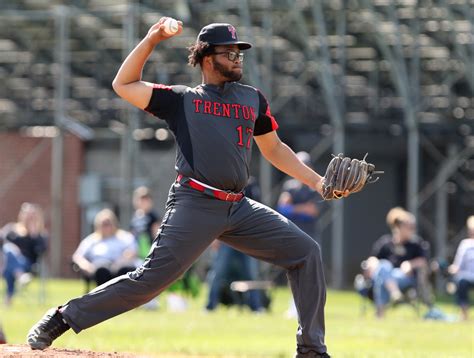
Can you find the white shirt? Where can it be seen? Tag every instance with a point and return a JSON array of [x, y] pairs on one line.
[[103, 252], [464, 259]]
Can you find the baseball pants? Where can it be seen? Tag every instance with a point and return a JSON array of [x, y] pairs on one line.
[[191, 222]]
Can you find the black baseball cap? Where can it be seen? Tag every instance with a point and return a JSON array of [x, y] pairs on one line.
[[221, 34]]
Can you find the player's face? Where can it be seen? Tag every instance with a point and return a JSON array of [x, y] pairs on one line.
[[227, 62]]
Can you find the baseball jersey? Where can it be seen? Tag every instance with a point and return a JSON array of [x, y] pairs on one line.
[[213, 128]]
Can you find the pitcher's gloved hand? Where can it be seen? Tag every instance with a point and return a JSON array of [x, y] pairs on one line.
[[345, 176]]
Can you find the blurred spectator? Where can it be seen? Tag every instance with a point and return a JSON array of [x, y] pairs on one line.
[[298, 202], [108, 252], [144, 226], [13, 269], [462, 269], [145, 221], [399, 261], [29, 234], [230, 265], [24, 242]]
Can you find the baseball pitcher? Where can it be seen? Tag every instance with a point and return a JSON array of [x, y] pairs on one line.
[[215, 125]]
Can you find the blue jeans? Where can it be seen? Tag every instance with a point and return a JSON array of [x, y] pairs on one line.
[[226, 257], [462, 291], [15, 263], [384, 272]]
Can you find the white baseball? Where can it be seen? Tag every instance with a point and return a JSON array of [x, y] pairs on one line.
[[171, 26]]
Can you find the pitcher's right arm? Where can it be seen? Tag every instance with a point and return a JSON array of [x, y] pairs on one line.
[[128, 82]]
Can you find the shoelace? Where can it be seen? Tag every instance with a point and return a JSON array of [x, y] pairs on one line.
[[54, 327]]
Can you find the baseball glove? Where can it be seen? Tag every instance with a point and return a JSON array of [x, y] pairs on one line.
[[345, 176]]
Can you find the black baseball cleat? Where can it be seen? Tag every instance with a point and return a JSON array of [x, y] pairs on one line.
[[48, 328]]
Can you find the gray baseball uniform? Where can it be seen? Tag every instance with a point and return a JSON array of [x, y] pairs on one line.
[[214, 129]]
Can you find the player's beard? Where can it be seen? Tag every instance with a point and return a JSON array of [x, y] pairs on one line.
[[227, 74]]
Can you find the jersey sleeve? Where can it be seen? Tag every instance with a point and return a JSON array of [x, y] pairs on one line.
[[165, 101], [265, 121]]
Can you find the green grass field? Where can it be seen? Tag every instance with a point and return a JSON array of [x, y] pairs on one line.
[[231, 332]]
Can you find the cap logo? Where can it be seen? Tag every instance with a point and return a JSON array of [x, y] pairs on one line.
[[232, 32]]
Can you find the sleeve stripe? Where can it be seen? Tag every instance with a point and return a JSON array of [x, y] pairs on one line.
[[274, 122], [156, 86], [161, 86], [265, 121], [163, 100]]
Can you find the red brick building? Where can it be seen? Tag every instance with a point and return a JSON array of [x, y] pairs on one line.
[[25, 176]]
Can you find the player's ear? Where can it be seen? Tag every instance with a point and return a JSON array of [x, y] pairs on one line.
[[206, 63]]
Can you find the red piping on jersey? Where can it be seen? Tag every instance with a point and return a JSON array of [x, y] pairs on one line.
[[274, 122], [268, 113]]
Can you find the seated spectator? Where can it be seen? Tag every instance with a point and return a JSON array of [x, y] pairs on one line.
[[13, 269], [24, 242], [29, 234], [399, 261], [462, 269], [108, 252]]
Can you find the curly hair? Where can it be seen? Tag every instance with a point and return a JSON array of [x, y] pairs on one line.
[[198, 51]]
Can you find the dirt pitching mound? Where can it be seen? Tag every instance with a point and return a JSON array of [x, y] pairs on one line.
[[21, 351]]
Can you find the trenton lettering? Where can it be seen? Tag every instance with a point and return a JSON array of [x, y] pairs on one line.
[[229, 110]]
